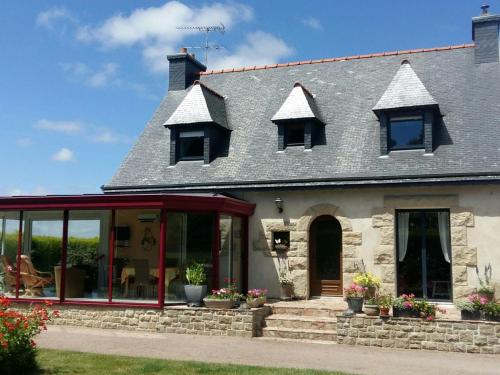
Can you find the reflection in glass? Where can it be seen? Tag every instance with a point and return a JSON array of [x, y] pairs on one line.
[[406, 133], [9, 228], [87, 255]]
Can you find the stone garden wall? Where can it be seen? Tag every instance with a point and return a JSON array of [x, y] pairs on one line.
[[179, 319], [408, 333]]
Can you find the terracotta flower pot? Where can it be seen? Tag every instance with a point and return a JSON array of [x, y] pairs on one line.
[[371, 291], [384, 311], [256, 302]]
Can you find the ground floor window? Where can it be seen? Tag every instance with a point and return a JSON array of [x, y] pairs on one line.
[[424, 254]]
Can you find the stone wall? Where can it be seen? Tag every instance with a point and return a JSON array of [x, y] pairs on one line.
[[179, 319], [463, 256], [408, 333]]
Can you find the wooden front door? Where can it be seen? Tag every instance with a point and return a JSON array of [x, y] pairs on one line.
[[325, 252]]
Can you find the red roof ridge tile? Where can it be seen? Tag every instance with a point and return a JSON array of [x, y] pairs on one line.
[[335, 59]]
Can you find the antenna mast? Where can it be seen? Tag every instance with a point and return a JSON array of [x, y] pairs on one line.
[[205, 29]]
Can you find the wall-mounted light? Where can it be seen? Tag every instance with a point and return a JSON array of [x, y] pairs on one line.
[[279, 204]]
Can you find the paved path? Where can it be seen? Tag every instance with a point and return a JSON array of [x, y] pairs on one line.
[[262, 352]]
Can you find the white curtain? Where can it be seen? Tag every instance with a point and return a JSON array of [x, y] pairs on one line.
[[403, 230], [444, 234]]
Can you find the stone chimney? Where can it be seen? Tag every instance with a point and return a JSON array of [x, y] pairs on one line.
[[485, 36], [184, 69]]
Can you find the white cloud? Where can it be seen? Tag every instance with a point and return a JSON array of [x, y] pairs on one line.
[[63, 155], [93, 77], [67, 127], [260, 48], [37, 190], [312, 22], [155, 28], [48, 18], [15, 191], [24, 142]]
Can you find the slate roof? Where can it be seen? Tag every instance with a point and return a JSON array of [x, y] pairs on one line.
[[200, 105], [405, 90], [298, 105], [346, 90]]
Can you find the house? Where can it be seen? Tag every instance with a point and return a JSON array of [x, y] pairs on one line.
[[387, 162]]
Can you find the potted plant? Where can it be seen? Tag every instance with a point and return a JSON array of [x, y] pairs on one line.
[[223, 298], [404, 306], [485, 290], [369, 281], [492, 311], [354, 295], [286, 285], [195, 288], [256, 297], [468, 311], [427, 310], [371, 307], [385, 302]]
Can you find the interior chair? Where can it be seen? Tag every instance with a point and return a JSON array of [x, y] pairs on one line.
[[34, 281], [142, 278], [9, 272]]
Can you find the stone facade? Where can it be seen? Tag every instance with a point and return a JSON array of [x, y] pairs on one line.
[[179, 319], [297, 258], [407, 333], [461, 218]]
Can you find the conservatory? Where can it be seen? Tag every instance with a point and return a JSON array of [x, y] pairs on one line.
[[119, 249]]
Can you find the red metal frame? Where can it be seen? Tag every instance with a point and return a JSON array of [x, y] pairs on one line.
[[19, 248], [163, 249], [165, 202], [216, 251], [64, 257], [111, 254]]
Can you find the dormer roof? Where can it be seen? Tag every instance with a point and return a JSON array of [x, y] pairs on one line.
[[405, 90], [200, 105], [299, 104]]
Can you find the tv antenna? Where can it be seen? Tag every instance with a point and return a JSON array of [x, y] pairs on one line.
[[205, 29]]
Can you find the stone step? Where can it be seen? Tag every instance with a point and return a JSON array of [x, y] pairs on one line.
[[299, 334], [301, 322], [306, 311]]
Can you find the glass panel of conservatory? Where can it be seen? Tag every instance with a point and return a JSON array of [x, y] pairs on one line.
[[230, 253], [40, 264], [136, 255], [9, 224], [87, 261], [189, 240]]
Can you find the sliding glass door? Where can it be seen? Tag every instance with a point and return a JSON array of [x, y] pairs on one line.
[[424, 254]]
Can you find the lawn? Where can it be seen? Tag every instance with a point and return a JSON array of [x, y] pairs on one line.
[[63, 362]]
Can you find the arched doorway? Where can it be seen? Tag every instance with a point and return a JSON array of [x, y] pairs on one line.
[[325, 257]]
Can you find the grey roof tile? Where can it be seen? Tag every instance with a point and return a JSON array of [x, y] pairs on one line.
[[467, 141], [200, 105], [299, 104], [405, 90]]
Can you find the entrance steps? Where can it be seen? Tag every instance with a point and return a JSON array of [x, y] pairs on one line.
[[314, 321]]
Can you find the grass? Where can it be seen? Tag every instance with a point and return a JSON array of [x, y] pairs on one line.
[[65, 362]]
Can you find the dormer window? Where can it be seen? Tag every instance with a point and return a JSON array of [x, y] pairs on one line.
[[298, 119], [191, 145], [294, 134], [407, 113], [406, 133], [198, 127]]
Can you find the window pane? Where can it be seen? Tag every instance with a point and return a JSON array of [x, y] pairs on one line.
[[191, 148], [41, 256], [189, 240], [225, 255], [87, 256], [136, 262], [9, 222], [237, 251], [295, 134], [406, 133], [410, 262]]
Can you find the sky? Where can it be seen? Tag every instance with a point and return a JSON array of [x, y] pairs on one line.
[[79, 80]]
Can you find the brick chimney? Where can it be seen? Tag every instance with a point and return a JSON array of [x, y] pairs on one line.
[[485, 36], [184, 69]]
